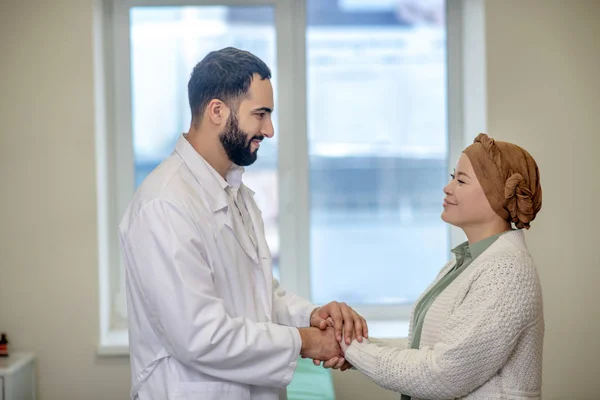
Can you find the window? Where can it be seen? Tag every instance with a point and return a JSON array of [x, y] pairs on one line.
[[377, 151], [350, 186], [168, 42]]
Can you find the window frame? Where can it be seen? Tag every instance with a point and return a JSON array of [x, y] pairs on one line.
[[115, 157]]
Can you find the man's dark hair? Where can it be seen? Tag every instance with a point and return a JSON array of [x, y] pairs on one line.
[[224, 74]]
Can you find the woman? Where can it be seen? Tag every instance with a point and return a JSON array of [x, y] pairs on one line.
[[477, 331]]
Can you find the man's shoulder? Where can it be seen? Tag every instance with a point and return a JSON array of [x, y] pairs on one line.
[[172, 184]]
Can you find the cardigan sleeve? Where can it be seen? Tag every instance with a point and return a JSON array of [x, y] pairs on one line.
[[476, 340], [399, 343]]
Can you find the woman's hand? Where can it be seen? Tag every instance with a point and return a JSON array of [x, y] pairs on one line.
[[341, 317]]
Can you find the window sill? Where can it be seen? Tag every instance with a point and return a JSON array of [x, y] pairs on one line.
[[388, 329], [114, 343]]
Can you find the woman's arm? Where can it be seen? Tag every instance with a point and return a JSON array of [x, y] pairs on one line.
[[400, 343], [476, 340]]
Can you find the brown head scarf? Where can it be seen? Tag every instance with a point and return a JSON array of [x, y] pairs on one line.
[[509, 177]]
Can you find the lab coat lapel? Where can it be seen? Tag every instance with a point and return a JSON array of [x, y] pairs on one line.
[[244, 241], [264, 253]]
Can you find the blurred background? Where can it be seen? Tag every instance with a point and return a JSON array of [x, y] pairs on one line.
[[374, 101]]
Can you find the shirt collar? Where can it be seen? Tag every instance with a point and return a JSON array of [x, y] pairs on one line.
[[479, 247], [462, 252], [233, 178], [207, 176]]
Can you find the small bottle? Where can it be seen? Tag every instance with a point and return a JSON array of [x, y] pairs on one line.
[[3, 345]]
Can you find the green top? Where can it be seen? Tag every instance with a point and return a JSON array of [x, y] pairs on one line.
[[465, 254]]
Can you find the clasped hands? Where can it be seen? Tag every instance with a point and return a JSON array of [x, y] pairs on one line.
[[333, 327]]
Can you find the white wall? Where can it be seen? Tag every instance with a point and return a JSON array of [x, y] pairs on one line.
[[543, 69], [48, 243], [543, 93]]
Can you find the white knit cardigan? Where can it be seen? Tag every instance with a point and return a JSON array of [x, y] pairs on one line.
[[482, 337]]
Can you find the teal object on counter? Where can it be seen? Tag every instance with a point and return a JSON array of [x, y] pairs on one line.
[[310, 382]]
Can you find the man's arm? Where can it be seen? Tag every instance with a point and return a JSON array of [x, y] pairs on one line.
[[290, 309], [169, 267], [293, 310]]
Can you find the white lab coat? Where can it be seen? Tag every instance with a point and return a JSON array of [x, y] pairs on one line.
[[206, 318]]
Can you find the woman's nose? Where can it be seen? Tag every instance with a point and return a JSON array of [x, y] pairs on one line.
[[448, 189]]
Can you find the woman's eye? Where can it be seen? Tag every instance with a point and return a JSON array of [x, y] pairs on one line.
[[454, 177]]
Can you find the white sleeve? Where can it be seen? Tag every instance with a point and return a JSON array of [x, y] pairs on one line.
[[187, 314], [289, 309], [476, 340], [400, 343]]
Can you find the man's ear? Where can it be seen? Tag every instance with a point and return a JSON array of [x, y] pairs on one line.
[[217, 111]]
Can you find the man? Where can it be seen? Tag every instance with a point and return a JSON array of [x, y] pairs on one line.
[[206, 318]]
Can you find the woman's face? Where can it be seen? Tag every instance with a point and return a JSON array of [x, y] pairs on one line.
[[465, 204]]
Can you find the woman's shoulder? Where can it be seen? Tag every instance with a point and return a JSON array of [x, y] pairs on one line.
[[509, 270], [507, 277], [511, 249], [507, 265]]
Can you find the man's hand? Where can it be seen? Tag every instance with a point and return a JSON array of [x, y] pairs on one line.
[[338, 362], [341, 317], [319, 344]]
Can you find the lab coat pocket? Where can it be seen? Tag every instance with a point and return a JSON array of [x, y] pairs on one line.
[[211, 391]]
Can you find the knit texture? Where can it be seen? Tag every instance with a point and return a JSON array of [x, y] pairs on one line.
[[482, 337]]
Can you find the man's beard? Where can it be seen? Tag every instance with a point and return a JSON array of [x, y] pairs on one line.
[[236, 143]]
